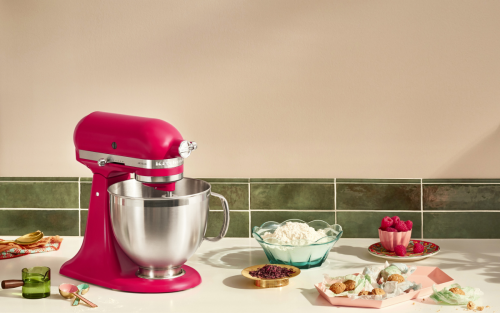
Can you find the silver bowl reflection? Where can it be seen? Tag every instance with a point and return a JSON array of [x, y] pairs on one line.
[[160, 233]]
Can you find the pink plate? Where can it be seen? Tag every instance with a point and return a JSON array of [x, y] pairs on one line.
[[430, 249], [425, 275]]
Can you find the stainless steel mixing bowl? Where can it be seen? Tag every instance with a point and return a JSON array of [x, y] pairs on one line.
[[160, 233]]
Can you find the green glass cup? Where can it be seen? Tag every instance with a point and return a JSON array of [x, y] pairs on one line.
[[35, 282]]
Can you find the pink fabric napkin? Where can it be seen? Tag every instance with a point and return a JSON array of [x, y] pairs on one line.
[[46, 244]]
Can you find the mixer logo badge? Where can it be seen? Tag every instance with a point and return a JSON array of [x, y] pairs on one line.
[[167, 163]]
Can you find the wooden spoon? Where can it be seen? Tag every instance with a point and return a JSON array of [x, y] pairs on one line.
[[27, 239]]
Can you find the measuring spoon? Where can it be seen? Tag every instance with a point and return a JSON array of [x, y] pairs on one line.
[[69, 291]]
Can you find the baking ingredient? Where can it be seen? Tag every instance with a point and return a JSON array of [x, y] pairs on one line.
[[409, 224], [391, 230], [400, 250], [337, 288], [395, 220], [480, 308], [418, 247], [386, 222], [271, 272], [295, 231], [396, 277], [457, 291], [401, 227]]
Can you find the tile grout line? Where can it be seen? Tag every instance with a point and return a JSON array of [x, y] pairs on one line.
[[79, 208], [422, 208], [335, 198], [249, 213]]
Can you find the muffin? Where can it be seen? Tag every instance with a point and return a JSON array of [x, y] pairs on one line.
[[396, 277], [350, 285], [337, 288], [364, 293]]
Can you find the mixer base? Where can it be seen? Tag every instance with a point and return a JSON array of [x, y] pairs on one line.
[[131, 283]]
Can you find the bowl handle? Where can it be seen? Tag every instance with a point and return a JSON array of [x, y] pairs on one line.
[[225, 224]]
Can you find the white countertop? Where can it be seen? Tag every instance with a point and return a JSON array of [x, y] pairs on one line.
[[470, 262]]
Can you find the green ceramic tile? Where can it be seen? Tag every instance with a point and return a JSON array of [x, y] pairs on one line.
[[292, 180], [85, 179], [238, 224], [366, 224], [225, 180], [461, 181], [461, 225], [38, 195], [379, 181], [85, 195], [461, 197], [235, 194], [292, 196], [378, 197], [83, 221], [260, 217], [51, 222], [38, 178]]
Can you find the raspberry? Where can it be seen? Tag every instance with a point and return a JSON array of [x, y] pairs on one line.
[[401, 227], [400, 250], [418, 248], [386, 222], [409, 224], [395, 221], [391, 230]]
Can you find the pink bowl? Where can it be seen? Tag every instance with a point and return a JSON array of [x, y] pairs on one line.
[[390, 240]]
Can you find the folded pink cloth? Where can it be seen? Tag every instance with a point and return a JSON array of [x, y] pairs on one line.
[[46, 244]]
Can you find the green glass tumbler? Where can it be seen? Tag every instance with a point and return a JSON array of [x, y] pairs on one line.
[[35, 282]]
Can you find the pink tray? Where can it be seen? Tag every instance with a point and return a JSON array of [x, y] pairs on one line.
[[425, 275]]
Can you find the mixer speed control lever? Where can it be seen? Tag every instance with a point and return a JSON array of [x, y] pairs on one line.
[[186, 147]]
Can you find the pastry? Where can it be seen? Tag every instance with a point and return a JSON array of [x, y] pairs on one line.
[[457, 291], [396, 277], [364, 293], [337, 288], [349, 285], [378, 292]]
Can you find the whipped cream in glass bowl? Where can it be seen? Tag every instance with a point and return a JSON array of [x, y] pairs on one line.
[[297, 243]]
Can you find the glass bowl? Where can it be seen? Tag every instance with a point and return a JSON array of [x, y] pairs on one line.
[[300, 253]]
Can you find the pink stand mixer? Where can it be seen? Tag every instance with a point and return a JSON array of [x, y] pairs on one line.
[[140, 231]]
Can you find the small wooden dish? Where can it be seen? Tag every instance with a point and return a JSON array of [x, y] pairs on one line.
[[270, 283]]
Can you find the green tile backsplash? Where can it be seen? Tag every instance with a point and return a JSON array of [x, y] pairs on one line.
[[51, 222], [366, 224], [292, 196], [380, 197], [38, 195], [447, 208], [462, 197], [462, 225]]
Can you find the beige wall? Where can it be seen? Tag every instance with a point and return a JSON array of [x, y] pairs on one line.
[[377, 89]]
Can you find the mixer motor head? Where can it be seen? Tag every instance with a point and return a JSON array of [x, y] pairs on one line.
[[152, 149]]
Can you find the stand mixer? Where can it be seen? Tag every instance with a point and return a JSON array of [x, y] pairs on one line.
[[140, 231]]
